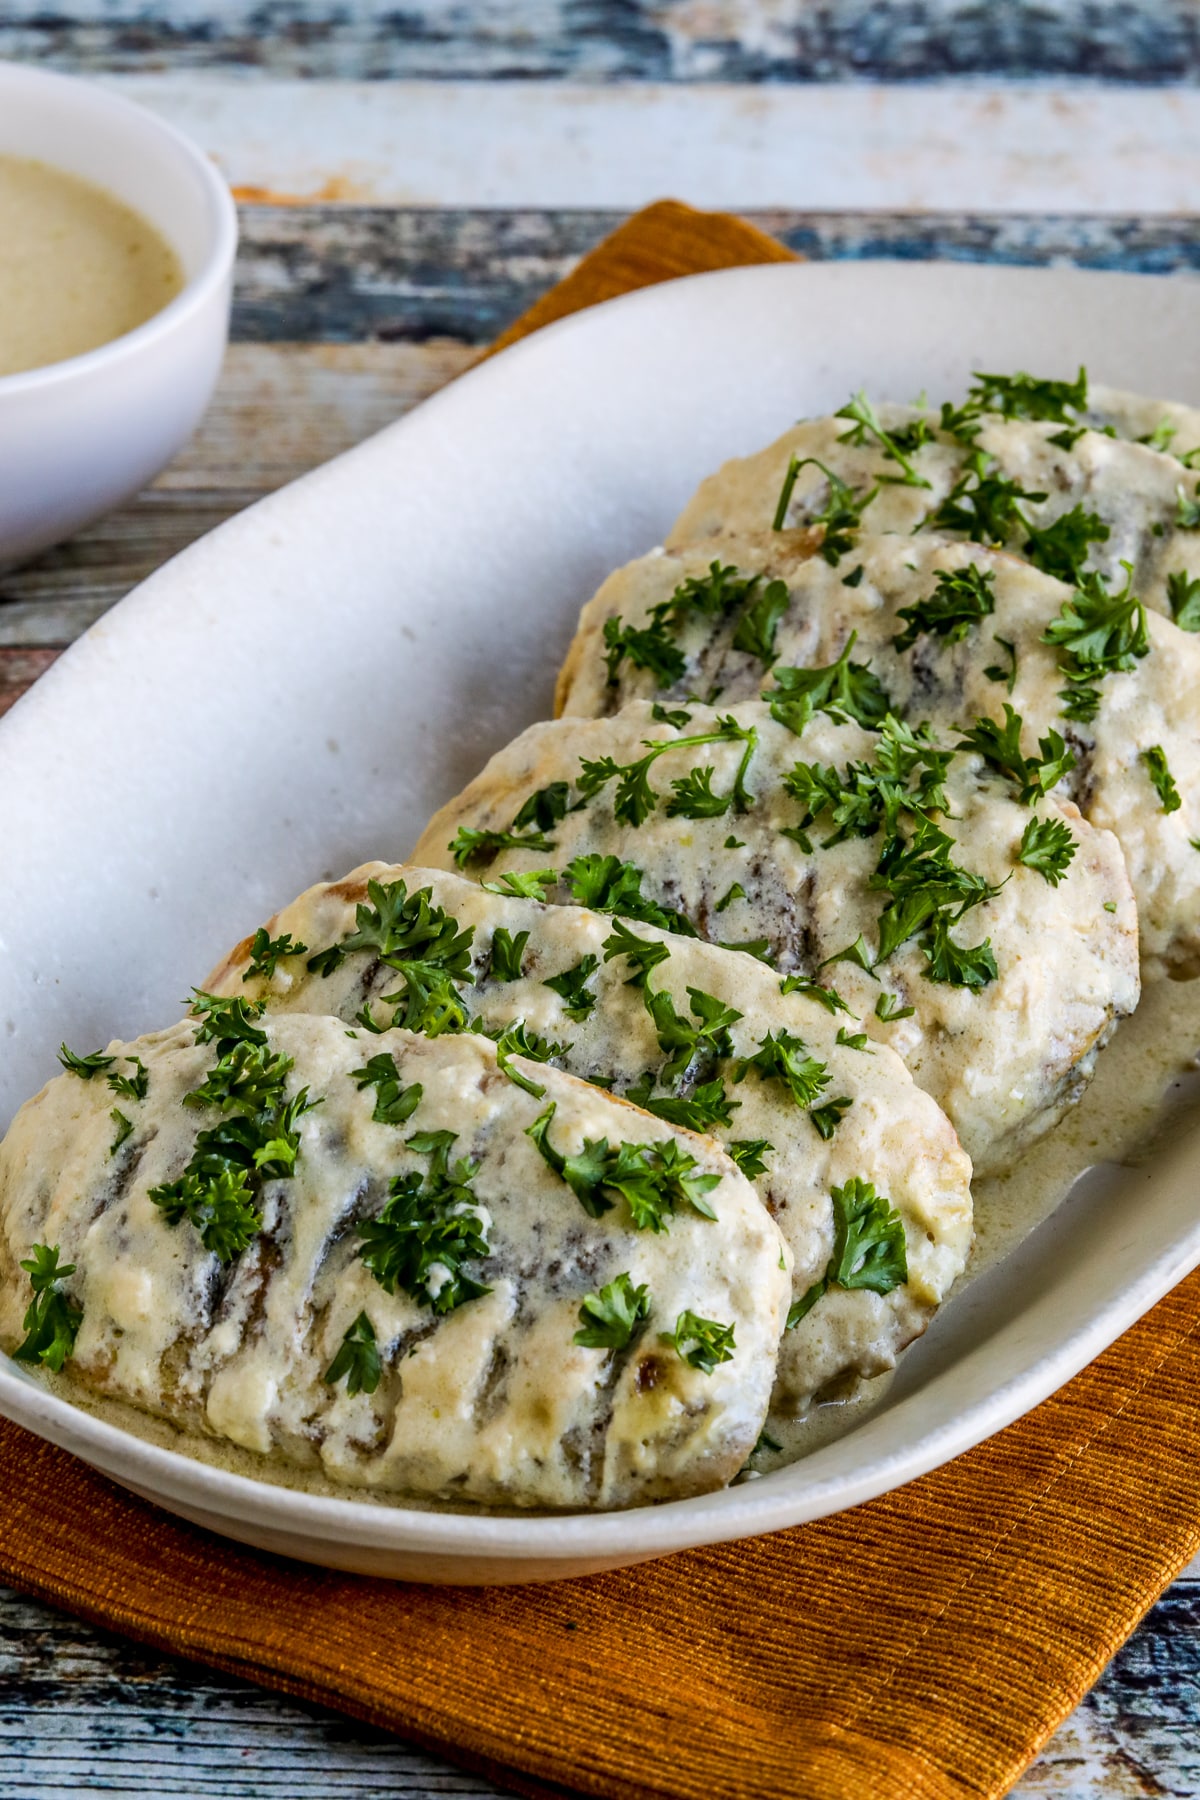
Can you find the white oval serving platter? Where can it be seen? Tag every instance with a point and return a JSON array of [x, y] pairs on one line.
[[297, 692]]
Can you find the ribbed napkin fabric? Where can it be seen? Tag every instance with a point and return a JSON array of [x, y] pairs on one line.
[[922, 1647]]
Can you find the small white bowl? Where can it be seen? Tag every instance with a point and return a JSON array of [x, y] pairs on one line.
[[79, 436]]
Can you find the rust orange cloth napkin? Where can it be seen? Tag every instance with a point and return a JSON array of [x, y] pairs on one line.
[[922, 1646]]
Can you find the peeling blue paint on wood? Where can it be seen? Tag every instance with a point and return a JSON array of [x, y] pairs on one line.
[[344, 274], [621, 40]]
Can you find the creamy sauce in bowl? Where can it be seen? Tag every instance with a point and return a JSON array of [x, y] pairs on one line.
[[79, 268]]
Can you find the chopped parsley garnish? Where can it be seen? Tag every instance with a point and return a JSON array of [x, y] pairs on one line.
[[394, 1103], [1096, 633], [1023, 396], [530, 884], [647, 647], [852, 1040], [606, 884], [888, 1008], [399, 928], [982, 505], [827, 997], [735, 891], [828, 1116], [750, 1155], [1000, 747], [471, 845], [868, 1247], [907, 773], [357, 1361], [652, 646], [843, 689], [429, 1227], [856, 953], [854, 578], [706, 1106], [135, 1086], [267, 952], [702, 1343], [84, 1066], [996, 672], [123, 1128], [1047, 846], [258, 1140], [51, 1323], [955, 965], [928, 892], [961, 597], [1061, 548], [865, 424], [644, 953], [784, 1057], [1187, 512], [841, 515], [687, 1045], [1183, 596], [507, 954], [653, 1179], [572, 989], [1162, 779], [668, 715], [429, 1002], [608, 1320], [759, 623], [516, 1039]]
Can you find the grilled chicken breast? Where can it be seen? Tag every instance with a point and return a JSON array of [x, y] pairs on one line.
[[668, 1021], [400, 1304], [727, 827], [953, 633], [1006, 485]]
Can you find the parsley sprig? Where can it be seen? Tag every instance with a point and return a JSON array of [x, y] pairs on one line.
[[869, 1248], [608, 885], [266, 953], [701, 1343], [690, 1048], [843, 689], [429, 1227], [654, 646], [895, 446], [841, 515], [1162, 779], [654, 1180], [51, 1323], [1048, 846], [357, 1361], [961, 597], [579, 1002], [609, 1319], [400, 928], [258, 1139], [982, 504], [1000, 747], [395, 1104], [1096, 634]]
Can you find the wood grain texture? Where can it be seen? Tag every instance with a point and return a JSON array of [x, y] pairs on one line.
[[85, 1711], [343, 273], [621, 40]]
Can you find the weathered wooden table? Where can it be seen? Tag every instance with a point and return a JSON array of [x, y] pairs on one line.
[[437, 171]]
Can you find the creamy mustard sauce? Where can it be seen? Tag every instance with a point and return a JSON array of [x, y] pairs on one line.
[[79, 267], [1145, 1090], [1141, 1094]]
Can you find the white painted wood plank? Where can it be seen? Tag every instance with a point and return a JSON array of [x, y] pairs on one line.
[[848, 146]]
